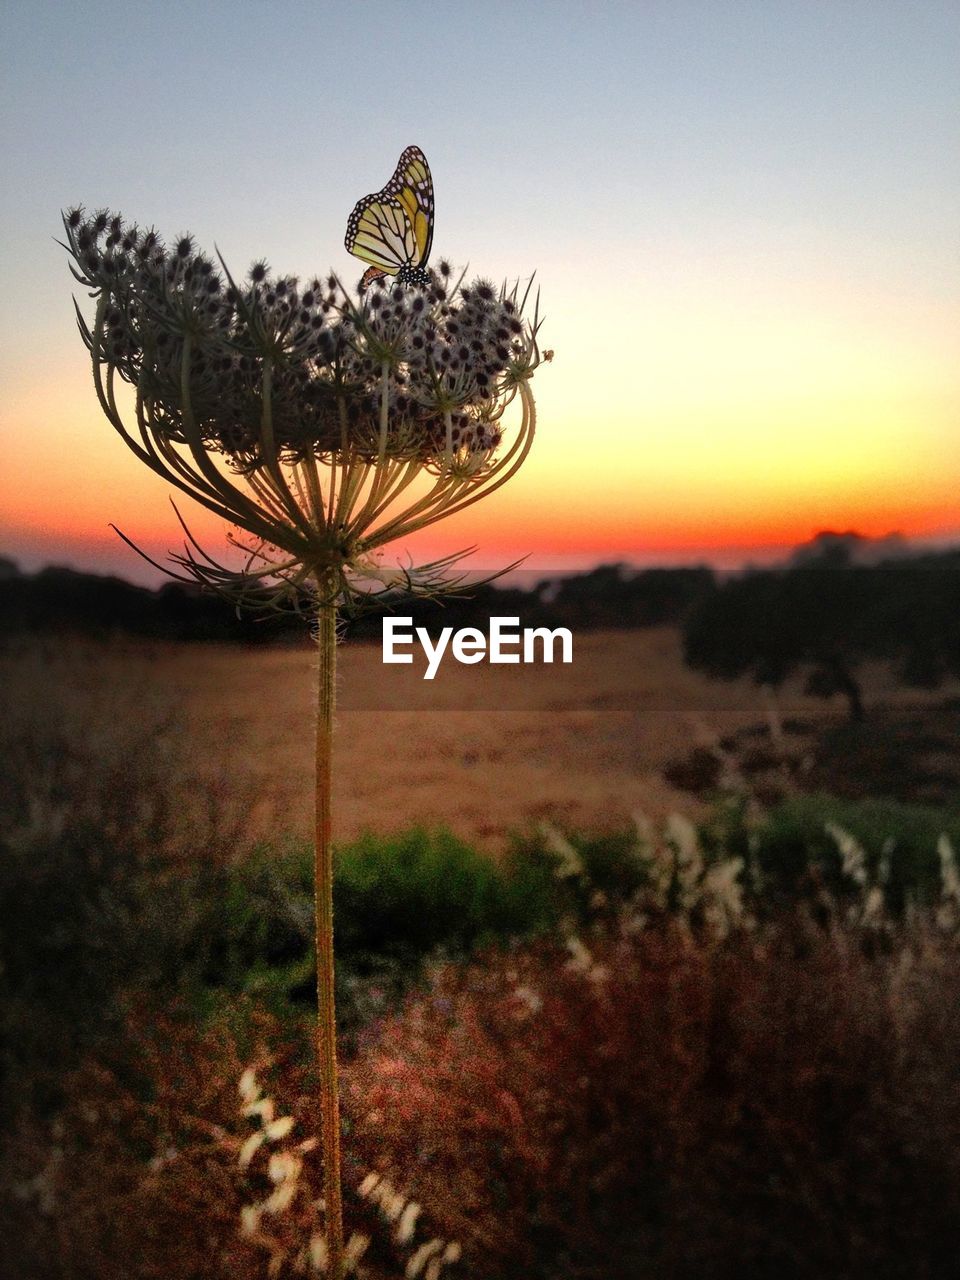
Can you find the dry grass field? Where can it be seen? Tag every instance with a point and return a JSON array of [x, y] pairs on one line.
[[583, 746]]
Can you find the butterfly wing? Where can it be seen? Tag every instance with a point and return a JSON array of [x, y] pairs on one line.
[[393, 228], [380, 233], [368, 277], [412, 186]]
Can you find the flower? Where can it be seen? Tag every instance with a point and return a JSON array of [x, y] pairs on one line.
[[323, 428], [301, 415]]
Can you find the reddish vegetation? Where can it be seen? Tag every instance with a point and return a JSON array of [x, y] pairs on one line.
[[659, 1107]]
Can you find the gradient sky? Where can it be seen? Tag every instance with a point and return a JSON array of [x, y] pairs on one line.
[[744, 218]]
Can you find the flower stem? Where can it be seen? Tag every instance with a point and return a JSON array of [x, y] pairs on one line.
[[323, 888]]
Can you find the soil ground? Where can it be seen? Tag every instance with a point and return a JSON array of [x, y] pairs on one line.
[[627, 727]]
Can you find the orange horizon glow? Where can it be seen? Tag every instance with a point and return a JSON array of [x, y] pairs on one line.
[[723, 495], [538, 516], [696, 432], [506, 527]]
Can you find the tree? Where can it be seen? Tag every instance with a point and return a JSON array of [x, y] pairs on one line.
[[829, 615]]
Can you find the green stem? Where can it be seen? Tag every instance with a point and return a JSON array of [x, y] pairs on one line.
[[323, 888]]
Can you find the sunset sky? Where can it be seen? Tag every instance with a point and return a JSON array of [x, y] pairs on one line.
[[743, 217]]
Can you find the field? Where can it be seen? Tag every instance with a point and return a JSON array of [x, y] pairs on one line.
[[583, 746], [701, 1049]]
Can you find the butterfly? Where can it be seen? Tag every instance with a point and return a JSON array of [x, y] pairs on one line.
[[393, 229]]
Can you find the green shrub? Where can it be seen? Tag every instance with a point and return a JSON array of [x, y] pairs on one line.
[[398, 899], [415, 891], [567, 883], [794, 837]]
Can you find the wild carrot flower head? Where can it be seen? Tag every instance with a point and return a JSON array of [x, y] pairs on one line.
[[326, 406]]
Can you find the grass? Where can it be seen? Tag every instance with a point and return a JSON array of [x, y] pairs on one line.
[[97, 904], [793, 851], [398, 901], [608, 1052], [779, 1105], [584, 754]]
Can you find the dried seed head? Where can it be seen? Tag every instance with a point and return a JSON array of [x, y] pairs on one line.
[[417, 372]]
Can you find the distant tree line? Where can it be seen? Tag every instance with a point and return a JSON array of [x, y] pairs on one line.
[[612, 596], [58, 600]]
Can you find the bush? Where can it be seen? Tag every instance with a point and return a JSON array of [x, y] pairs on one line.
[[779, 1108], [397, 900], [780, 1105], [900, 842], [416, 891], [92, 902], [572, 874], [87, 922]]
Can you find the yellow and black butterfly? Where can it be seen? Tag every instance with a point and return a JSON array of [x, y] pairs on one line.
[[393, 229]]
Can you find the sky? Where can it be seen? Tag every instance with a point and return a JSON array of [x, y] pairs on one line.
[[743, 219]]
